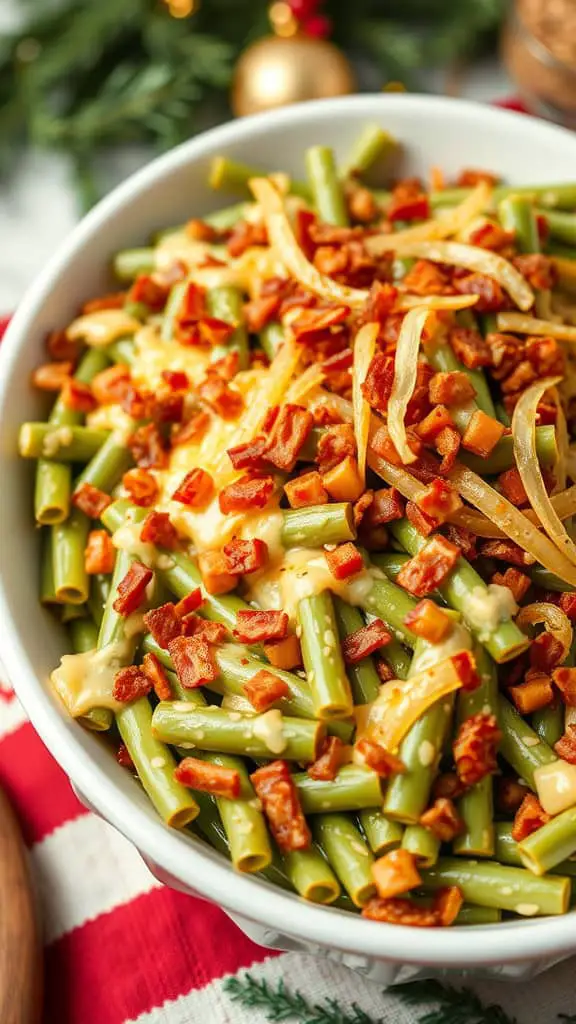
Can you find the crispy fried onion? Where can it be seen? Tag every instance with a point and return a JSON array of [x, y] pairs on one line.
[[518, 323], [405, 373], [310, 379], [283, 241], [555, 621], [524, 434], [364, 348], [407, 301], [483, 261], [448, 223]]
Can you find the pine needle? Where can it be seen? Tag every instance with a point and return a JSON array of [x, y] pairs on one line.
[[454, 1005], [281, 1005]]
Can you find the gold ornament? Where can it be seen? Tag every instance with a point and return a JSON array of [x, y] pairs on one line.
[[288, 68], [182, 8]]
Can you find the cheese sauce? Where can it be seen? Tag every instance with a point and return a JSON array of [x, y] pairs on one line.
[[85, 681]]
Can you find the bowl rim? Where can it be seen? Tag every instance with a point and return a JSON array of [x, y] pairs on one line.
[[262, 903]]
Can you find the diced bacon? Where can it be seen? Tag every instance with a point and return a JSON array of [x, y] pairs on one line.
[[471, 177], [51, 376], [565, 680], [539, 270], [285, 654], [443, 820], [90, 500], [429, 568], [123, 757], [408, 203], [150, 292], [507, 551], [447, 904], [132, 589], [447, 785], [61, 348], [566, 745], [422, 522], [529, 817], [469, 347], [326, 415], [215, 575], [426, 278], [380, 302], [193, 660], [463, 539], [227, 366], [490, 235], [245, 556], [164, 623], [148, 448], [454, 388], [361, 506], [440, 501], [515, 580], [533, 694], [383, 445], [365, 641], [399, 911], [384, 670], [482, 433], [246, 493], [260, 311], [226, 402], [432, 424], [253, 627], [137, 403], [428, 621], [114, 300], [339, 361], [100, 553], [157, 675], [290, 431], [141, 486], [312, 320], [173, 273], [200, 231], [277, 792], [377, 385], [568, 605], [330, 260], [491, 297], [546, 356], [190, 603], [343, 482], [395, 873], [167, 407], [306, 490], [265, 689], [387, 505], [546, 652], [509, 795], [464, 665], [448, 444], [378, 759], [511, 486], [344, 561], [77, 396], [177, 380], [191, 431], [111, 385], [130, 684], [244, 235], [335, 444], [157, 529], [329, 761], [249, 454], [211, 632], [475, 748], [208, 778], [195, 490]]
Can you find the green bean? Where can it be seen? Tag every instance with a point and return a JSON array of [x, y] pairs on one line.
[[441, 356], [362, 675], [322, 657], [504, 642], [66, 444], [227, 216], [316, 525], [112, 624], [47, 592], [548, 722], [560, 197], [347, 853], [502, 455], [122, 351], [243, 821], [327, 192], [172, 309], [547, 580], [422, 843], [507, 851], [230, 732], [233, 176], [468, 914], [391, 563], [137, 310], [401, 266], [128, 264], [516, 214], [69, 539], [391, 604], [70, 612], [99, 591], [354, 788], [107, 467], [551, 844], [491, 885], [562, 226], [227, 303], [370, 147], [272, 338], [520, 746], [397, 657], [382, 834], [209, 824], [311, 875], [476, 805], [407, 795], [52, 492], [83, 634]]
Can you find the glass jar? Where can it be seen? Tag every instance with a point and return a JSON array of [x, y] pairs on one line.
[[539, 53]]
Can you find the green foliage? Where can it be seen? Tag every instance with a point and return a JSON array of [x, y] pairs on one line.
[[453, 1005], [280, 1005]]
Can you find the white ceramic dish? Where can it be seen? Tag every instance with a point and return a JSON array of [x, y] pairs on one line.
[[448, 133]]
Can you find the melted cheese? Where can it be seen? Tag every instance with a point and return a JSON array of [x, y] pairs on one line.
[[428, 655], [210, 528], [100, 328], [112, 417], [269, 728], [486, 609], [85, 681], [245, 272], [60, 437], [127, 538], [556, 787], [154, 355]]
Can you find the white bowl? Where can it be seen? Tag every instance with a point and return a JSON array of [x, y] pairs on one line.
[[448, 133]]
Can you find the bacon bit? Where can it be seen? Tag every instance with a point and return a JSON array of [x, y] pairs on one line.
[[150, 292], [491, 297], [511, 486], [227, 366], [252, 627], [264, 689], [507, 551], [77, 396], [335, 444], [383, 445], [60, 347], [285, 654], [246, 493], [193, 661], [566, 745], [426, 278], [361, 205], [195, 490], [200, 231], [435, 422], [515, 580], [394, 873], [344, 561], [472, 177], [533, 694], [291, 429], [330, 260], [191, 431], [136, 403], [306, 490], [177, 380], [123, 757], [215, 575], [326, 415], [379, 759], [447, 786], [568, 605], [452, 388], [90, 500], [565, 680], [311, 321], [429, 568], [260, 311], [222, 399], [168, 407], [447, 904], [276, 790], [361, 507], [208, 778], [211, 632], [111, 385], [114, 300], [509, 794], [448, 445], [244, 236], [249, 454], [482, 433], [546, 652], [380, 303], [159, 530], [245, 556], [164, 623], [99, 554], [546, 356], [328, 763], [130, 684], [428, 621], [190, 603], [529, 817], [339, 361], [141, 487], [491, 236], [148, 448], [408, 202], [387, 505], [344, 482], [475, 748], [539, 270], [470, 347], [157, 676], [464, 665], [365, 641], [439, 501], [399, 911], [443, 820], [377, 385], [420, 521], [131, 590], [463, 539]]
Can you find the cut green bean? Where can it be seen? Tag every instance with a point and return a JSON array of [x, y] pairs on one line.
[[562, 226], [372, 146], [408, 794], [47, 592], [122, 351], [422, 843], [322, 657], [233, 176], [507, 851], [52, 492], [243, 821], [547, 580], [316, 525], [347, 853], [520, 746], [468, 914], [441, 356], [391, 604], [99, 591], [311, 875], [548, 722], [128, 264], [354, 788], [362, 675], [391, 563], [502, 455], [227, 303], [551, 197], [476, 807], [83, 634], [327, 192], [382, 834], [516, 214], [65, 444], [107, 467], [551, 844], [227, 216], [490, 885], [71, 584], [172, 309], [272, 338]]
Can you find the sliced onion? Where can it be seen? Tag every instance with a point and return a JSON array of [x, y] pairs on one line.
[[407, 301], [364, 348], [483, 261], [284, 242], [405, 373], [524, 434], [449, 223], [518, 323], [555, 621], [512, 522], [312, 377]]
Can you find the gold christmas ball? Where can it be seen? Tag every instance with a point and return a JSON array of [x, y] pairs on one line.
[[278, 70]]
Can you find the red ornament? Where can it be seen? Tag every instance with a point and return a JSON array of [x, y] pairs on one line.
[[310, 20]]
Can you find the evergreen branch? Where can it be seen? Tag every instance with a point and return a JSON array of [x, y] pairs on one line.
[[281, 1005], [454, 1006]]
